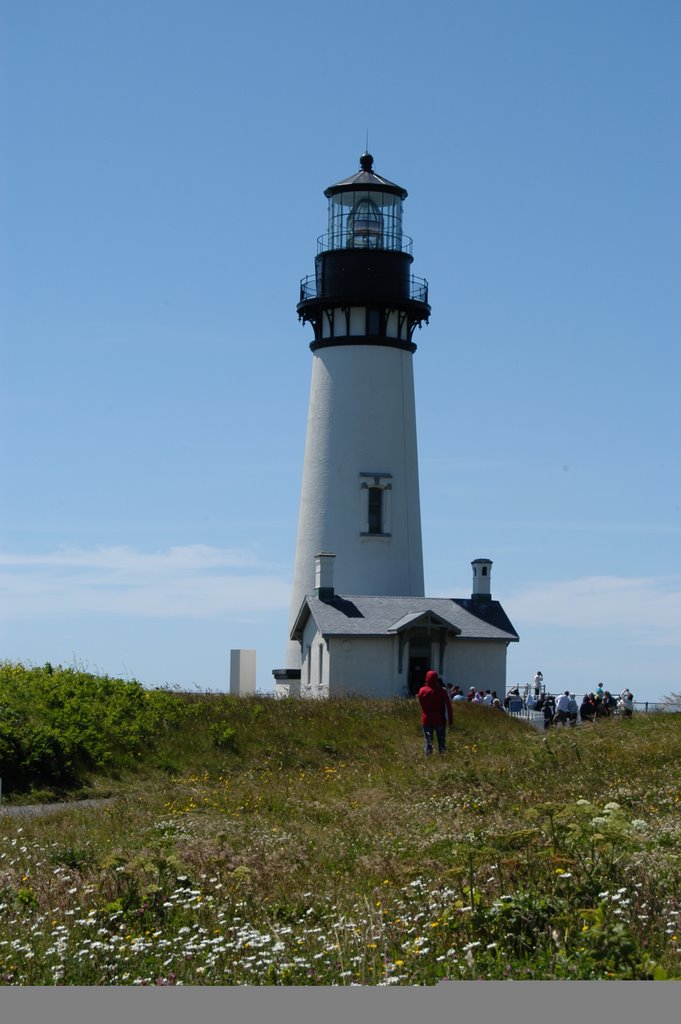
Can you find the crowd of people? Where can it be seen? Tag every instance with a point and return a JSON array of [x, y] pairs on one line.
[[473, 696], [564, 709], [437, 698]]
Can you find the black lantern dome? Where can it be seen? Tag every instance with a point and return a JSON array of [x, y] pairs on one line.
[[364, 260]]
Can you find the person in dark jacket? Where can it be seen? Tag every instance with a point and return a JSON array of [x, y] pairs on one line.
[[436, 712], [549, 710], [587, 709]]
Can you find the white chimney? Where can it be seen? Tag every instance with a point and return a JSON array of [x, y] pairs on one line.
[[482, 579], [323, 575]]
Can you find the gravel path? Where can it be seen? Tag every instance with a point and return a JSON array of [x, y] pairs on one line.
[[34, 810]]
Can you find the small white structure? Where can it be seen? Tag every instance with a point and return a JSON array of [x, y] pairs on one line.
[[382, 646], [241, 672]]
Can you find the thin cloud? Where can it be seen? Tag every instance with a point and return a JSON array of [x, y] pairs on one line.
[[122, 558], [647, 609], [192, 581]]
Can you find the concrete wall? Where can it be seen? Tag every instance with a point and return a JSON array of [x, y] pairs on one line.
[[242, 672], [314, 676], [369, 665], [361, 419], [478, 663], [366, 666]]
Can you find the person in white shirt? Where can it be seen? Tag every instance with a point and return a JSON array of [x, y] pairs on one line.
[[626, 703], [538, 680], [563, 709]]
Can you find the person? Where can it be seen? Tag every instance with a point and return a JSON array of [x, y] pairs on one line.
[[626, 703], [436, 712], [458, 694], [538, 680], [573, 709], [549, 710], [513, 702], [471, 693], [530, 701], [496, 703], [563, 709], [488, 698], [587, 709], [600, 691]]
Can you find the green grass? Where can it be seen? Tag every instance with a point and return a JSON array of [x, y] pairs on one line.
[[255, 841]]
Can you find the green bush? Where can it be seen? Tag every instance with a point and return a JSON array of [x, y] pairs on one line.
[[57, 724]]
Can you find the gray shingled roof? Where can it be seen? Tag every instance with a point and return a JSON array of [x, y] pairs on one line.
[[367, 615]]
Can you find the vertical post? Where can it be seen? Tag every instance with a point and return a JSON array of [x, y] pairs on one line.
[[242, 672]]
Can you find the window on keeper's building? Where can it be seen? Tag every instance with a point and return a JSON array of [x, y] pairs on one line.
[[375, 510]]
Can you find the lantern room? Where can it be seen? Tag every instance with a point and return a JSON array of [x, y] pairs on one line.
[[363, 287], [365, 212]]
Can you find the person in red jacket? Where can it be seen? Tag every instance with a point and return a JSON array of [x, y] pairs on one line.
[[436, 712]]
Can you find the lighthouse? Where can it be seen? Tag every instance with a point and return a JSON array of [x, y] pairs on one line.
[[360, 487]]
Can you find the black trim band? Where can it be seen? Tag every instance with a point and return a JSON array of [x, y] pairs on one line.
[[364, 339]]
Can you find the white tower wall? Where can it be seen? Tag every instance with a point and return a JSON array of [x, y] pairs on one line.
[[361, 430]]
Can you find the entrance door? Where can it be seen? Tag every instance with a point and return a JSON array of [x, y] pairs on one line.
[[419, 664]]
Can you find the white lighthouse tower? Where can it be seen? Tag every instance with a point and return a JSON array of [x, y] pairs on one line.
[[360, 488]]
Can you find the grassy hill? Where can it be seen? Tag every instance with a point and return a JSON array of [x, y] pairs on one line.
[[255, 841]]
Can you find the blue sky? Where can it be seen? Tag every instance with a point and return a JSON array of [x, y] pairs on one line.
[[161, 192]]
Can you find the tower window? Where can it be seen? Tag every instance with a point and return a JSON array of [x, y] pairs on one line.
[[375, 510], [375, 504], [374, 322]]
